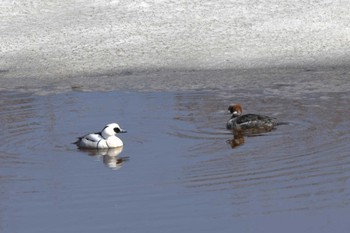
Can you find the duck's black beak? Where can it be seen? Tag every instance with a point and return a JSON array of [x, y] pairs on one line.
[[119, 130]]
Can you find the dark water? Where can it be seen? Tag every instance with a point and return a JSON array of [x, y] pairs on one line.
[[181, 173]]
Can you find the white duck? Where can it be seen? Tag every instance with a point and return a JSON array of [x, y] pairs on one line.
[[105, 139]]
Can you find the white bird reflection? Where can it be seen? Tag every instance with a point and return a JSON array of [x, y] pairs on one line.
[[110, 157]]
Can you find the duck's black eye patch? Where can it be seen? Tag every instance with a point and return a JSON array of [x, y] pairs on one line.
[[117, 130], [230, 109]]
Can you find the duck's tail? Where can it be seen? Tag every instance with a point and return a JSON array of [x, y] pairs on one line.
[[282, 123], [77, 141]]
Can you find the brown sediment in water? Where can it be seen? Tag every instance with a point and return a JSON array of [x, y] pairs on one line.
[[282, 81]]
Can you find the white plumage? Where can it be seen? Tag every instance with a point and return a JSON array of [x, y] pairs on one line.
[[105, 139]]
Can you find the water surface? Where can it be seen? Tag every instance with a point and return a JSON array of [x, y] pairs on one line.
[[182, 172]]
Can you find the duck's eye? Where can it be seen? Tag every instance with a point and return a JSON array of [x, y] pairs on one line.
[[117, 130]]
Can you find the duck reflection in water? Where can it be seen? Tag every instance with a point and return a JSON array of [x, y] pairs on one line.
[[239, 137], [237, 140], [110, 157]]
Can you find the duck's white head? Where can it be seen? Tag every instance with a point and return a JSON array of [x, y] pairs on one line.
[[111, 130]]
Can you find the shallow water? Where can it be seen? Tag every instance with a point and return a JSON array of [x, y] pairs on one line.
[[180, 171]]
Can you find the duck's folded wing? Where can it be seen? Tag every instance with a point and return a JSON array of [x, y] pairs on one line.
[[247, 119], [93, 137]]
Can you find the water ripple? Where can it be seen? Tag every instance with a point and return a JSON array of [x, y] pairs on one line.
[[305, 161], [18, 117]]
